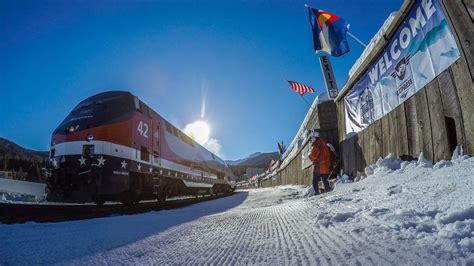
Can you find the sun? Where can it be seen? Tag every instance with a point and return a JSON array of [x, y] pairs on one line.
[[199, 131]]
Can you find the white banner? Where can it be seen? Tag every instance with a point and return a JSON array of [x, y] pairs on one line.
[[305, 161], [421, 49]]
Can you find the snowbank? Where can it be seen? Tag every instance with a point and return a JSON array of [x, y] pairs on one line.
[[391, 163], [264, 197], [343, 179], [431, 205], [21, 191], [323, 97], [403, 213]]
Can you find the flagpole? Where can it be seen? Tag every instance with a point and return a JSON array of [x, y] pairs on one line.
[[348, 32], [309, 105], [357, 39]]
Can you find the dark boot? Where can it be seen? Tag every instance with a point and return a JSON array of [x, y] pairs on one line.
[[315, 182], [327, 188]]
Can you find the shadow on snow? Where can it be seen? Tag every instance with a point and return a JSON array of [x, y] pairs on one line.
[[33, 243]]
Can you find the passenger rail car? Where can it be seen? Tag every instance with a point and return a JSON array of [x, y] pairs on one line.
[[112, 146]]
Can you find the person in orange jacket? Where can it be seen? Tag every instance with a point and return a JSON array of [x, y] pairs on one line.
[[321, 158]]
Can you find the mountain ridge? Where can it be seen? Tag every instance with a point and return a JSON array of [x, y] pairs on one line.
[[236, 162], [16, 158], [254, 160]]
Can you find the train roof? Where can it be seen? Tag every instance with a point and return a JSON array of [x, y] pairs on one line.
[[110, 93], [217, 158], [118, 93]]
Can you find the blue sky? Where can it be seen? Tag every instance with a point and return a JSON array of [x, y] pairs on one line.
[[239, 54]]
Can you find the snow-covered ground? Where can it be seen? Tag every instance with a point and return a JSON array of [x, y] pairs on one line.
[[415, 214], [21, 191]]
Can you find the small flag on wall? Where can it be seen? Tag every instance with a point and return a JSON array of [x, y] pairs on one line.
[[300, 88], [281, 147]]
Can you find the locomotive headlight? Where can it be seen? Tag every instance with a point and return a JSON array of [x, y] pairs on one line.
[[73, 128], [90, 137]]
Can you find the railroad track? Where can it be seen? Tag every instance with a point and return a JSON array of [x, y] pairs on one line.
[[11, 213]]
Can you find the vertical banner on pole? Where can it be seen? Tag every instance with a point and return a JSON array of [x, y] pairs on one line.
[[331, 85]]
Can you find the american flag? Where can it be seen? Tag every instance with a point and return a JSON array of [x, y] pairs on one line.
[[300, 88]]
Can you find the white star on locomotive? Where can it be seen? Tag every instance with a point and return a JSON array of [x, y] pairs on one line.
[[82, 161], [101, 161], [54, 163], [139, 166], [151, 169], [123, 164]]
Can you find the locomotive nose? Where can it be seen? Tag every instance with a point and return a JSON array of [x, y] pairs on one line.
[[89, 137], [88, 150]]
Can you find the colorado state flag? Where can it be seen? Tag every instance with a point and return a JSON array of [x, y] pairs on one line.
[[329, 33]]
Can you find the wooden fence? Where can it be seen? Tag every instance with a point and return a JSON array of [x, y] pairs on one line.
[[324, 119], [434, 120]]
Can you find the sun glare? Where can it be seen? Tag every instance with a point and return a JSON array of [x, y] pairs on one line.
[[199, 131]]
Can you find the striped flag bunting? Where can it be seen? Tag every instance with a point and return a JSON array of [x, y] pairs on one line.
[[300, 88]]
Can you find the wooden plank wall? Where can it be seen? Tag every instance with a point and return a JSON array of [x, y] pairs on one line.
[[325, 120], [417, 125], [291, 174], [420, 123]]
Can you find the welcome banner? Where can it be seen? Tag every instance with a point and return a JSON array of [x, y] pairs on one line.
[[422, 48]]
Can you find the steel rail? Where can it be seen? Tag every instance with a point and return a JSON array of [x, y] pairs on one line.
[[11, 213]]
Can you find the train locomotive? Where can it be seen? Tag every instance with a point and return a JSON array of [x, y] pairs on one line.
[[114, 147]]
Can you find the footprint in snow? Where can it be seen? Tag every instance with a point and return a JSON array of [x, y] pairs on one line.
[[379, 211], [342, 199], [394, 190]]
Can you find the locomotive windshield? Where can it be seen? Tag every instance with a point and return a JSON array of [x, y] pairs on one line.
[[103, 108]]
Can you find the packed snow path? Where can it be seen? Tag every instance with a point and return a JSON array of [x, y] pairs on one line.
[[415, 215], [21, 191]]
